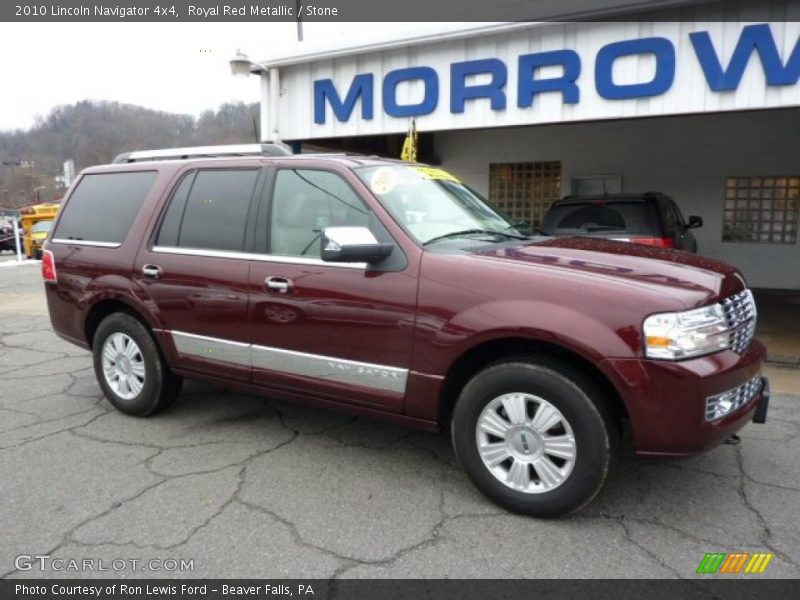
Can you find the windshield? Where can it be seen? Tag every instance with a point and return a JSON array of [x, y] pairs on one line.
[[432, 204], [42, 227]]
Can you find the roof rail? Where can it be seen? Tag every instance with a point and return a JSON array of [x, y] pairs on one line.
[[270, 149]]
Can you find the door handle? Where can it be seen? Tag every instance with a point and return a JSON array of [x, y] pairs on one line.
[[151, 271], [278, 285]]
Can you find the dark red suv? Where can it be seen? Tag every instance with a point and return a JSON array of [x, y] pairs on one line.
[[390, 289]]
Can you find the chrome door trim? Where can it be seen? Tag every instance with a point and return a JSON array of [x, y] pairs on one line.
[[329, 368], [274, 258], [316, 366], [86, 243]]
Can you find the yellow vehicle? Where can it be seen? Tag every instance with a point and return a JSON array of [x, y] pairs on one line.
[[37, 220]]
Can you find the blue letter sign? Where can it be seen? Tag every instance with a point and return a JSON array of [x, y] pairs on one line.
[[460, 92], [779, 70], [661, 48], [754, 37], [529, 87], [324, 89], [428, 104]]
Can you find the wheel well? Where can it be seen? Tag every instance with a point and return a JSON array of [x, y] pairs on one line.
[[101, 310], [494, 351]]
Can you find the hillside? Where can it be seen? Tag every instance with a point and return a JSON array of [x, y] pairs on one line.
[[91, 133]]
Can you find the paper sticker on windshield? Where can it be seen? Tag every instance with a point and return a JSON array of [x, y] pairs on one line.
[[433, 173], [383, 180]]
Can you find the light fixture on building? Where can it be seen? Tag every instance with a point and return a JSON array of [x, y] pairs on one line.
[[270, 85], [242, 65]]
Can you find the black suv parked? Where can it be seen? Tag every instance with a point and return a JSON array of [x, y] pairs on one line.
[[652, 219]]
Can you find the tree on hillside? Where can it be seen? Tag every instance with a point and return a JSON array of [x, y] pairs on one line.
[[92, 133]]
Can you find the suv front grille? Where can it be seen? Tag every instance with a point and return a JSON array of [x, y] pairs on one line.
[[740, 312]]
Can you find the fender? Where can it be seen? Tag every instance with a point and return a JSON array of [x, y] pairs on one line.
[[592, 338], [127, 291]]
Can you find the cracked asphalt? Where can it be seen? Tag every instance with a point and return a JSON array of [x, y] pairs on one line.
[[250, 487]]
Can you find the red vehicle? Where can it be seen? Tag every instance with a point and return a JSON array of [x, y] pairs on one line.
[[391, 290]]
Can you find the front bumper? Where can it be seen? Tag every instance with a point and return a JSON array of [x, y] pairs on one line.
[[666, 401]]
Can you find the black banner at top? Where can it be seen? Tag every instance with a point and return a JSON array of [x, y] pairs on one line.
[[392, 10]]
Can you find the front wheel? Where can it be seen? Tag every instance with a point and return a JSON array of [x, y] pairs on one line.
[[531, 436], [130, 369]]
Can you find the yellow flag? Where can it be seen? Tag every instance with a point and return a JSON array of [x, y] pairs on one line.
[[409, 151]]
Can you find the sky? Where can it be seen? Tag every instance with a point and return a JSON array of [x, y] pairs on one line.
[[175, 67]]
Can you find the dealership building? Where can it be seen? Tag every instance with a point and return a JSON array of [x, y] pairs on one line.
[[706, 111]]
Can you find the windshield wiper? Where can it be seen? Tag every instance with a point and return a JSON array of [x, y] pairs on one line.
[[524, 225], [471, 232]]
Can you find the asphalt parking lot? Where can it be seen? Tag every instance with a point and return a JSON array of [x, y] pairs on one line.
[[247, 487]]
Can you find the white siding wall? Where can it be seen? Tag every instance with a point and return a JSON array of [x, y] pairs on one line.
[[688, 94], [685, 157]]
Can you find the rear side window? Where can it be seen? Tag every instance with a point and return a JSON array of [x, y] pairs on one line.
[[103, 206], [671, 216], [601, 217], [209, 210]]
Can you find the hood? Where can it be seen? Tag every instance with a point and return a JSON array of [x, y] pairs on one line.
[[694, 280]]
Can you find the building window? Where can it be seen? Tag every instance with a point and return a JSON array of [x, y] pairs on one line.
[[761, 209], [524, 191]]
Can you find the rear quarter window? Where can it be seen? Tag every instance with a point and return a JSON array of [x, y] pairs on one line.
[[103, 206]]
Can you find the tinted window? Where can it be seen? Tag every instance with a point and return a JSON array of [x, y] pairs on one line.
[[103, 206], [599, 217], [678, 214], [667, 217], [303, 203], [168, 234], [216, 210]]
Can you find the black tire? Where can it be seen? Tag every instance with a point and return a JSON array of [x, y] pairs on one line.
[[580, 404], [160, 387]]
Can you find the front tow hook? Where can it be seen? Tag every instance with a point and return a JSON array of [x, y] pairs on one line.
[[760, 416]]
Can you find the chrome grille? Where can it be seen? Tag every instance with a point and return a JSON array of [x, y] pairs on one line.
[[740, 312], [724, 404]]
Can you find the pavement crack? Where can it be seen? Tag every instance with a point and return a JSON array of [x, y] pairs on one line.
[[431, 540], [52, 433], [292, 530], [766, 533], [68, 537]]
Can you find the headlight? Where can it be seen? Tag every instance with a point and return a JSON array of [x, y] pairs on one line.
[[677, 335]]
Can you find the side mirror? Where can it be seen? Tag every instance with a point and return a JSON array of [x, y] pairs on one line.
[[352, 244], [694, 222]]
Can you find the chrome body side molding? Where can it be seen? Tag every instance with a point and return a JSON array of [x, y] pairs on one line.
[[316, 366], [210, 348], [350, 372]]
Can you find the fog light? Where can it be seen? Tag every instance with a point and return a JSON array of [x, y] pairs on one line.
[[721, 405]]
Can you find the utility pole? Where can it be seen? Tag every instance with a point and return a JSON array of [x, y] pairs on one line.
[[297, 6]]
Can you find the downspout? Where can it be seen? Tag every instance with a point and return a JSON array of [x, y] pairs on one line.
[[264, 112], [274, 93]]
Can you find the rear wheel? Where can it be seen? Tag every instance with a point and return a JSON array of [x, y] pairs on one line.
[[531, 435], [130, 369]]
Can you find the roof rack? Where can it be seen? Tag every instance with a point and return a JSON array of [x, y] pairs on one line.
[[270, 149]]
